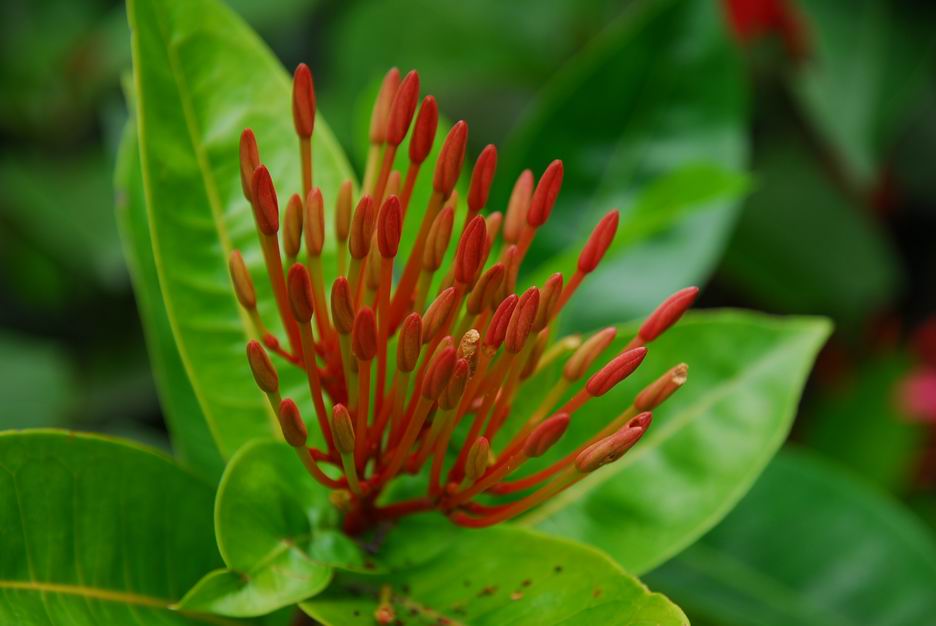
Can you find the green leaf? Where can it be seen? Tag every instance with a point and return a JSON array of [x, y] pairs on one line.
[[503, 575], [36, 382], [812, 546], [707, 445], [870, 60], [861, 424], [202, 77], [96, 531], [782, 254], [191, 438], [661, 91], [278, 535]]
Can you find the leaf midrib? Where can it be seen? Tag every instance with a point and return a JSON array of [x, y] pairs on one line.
[[107, 595]]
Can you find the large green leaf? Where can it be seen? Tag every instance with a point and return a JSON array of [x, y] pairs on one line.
[[868, 64], [201, 77], [277, 533], [707, 445], [809, 545], [191, 438], [94, 531], [661, 90], [503, 575]]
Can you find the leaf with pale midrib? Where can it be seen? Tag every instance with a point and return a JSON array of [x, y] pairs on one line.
[[98, 532], [202, 76]]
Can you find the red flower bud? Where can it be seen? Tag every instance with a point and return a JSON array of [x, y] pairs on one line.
[[598, 242], [303, 101], [300, 293], [549, 300], [402, 109], [521, 322], [290, 421], [265, 203], [449, 165], [468, 255], [545, 435], [364, 335], [452, 393], [544, 196], [617, 369], [424, 131], [481, 178], [667, 314], [497, 328], [389, 227]]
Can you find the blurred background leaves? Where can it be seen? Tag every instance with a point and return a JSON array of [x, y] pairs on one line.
[[782, 147]]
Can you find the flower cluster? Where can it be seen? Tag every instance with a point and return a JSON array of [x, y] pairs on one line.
[[463, 350]]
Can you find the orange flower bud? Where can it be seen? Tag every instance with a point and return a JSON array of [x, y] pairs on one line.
[[437, 313], [438, 374], [249, 162], [409, 343], [586, 354], [343, 211], [440, 234], [243, 285], [262, 368], [342, 306], [549, 300], [314, 222], [485, 291], [518, 206], [662, 388], [452, 393], [342, 429], [608, 450], [292, 226], [478, 458], [381, 112]]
